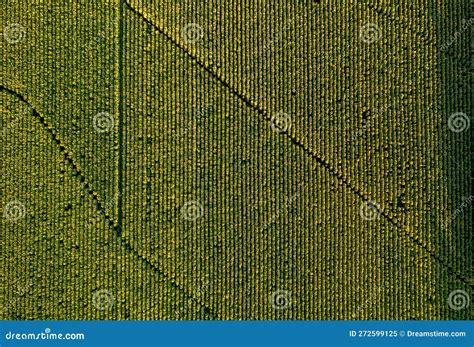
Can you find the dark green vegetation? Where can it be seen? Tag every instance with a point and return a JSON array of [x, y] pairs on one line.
[[241, 160]]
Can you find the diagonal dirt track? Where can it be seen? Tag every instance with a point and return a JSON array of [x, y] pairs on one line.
[[100, 205], [318, 158]]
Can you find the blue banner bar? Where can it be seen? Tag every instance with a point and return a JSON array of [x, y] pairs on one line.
[[237, 333]]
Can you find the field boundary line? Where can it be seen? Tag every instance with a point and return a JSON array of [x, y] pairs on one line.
[[318, 158], [99, 205]]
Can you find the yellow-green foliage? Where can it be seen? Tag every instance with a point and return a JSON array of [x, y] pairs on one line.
[[205, 159]]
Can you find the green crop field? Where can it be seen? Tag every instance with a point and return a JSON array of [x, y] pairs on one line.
[[256, 159]]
